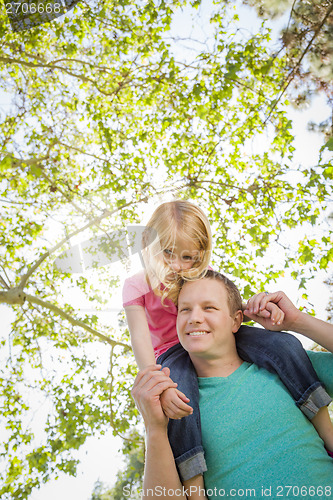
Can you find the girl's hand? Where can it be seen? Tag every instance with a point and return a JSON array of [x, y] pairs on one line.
[[261, 310], [174, 404], [147, 389], [259, 302]]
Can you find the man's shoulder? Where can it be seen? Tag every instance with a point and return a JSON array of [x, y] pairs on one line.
[[319, 354], [322, 362], [321, 358]]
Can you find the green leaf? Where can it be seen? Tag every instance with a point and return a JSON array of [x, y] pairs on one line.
[[5, 163], [36, 171], [328, 145]]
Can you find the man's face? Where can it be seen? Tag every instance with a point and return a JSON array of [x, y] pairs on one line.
[[205, 325]]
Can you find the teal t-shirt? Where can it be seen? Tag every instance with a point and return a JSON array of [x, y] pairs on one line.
[[257, 442]]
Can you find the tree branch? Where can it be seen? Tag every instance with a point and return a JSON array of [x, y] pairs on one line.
[[2, 281], [95, 221], [33, 161], [75, 322], [92, 222], [24, 203], [218, 183], [13, 296], [112, 422], [11, 60], [70, 146], [18, 162], [4, 272], [290, 77]]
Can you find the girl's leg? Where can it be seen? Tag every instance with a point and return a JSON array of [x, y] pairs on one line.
[[185, 434], [323, 425], [196, 485], [282, 353]]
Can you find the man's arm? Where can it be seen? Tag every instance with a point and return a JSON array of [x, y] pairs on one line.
[[161, 479], [294, 320]]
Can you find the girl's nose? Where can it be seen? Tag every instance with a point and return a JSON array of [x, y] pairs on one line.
[[176, 264]]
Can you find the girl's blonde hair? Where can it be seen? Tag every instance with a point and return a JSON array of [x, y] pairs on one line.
[[170, 221]]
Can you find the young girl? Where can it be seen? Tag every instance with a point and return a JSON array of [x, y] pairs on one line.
[[177, 243]]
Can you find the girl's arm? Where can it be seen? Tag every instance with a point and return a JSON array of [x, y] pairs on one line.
[[140, 336], [173, 401]]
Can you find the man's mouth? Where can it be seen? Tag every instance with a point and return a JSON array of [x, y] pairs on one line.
[[197, 334]]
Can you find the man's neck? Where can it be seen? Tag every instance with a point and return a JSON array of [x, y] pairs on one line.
[[216, 367]]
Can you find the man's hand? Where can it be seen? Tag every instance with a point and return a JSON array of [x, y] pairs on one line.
[[283, 318], [147, 389], [160, 467], [174, 404], [269, 316]]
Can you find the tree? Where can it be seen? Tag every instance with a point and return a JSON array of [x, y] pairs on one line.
[[329, 282], [105, 117], [129, 481], [306, 40], [330, 304]]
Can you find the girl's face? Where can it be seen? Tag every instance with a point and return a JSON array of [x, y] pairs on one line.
[[182, 256]]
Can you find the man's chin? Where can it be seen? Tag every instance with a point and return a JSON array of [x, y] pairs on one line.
[[194, 350]]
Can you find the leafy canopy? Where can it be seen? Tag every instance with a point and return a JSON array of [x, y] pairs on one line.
[[106, 115]]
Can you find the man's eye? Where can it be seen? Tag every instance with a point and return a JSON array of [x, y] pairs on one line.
[[210, 307]]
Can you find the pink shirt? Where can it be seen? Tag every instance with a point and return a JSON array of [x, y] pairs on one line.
[[161, 318]]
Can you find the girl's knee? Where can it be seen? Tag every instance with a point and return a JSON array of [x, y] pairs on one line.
[[289, 341]]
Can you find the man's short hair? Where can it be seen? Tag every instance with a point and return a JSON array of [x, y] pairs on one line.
[[234, 297]]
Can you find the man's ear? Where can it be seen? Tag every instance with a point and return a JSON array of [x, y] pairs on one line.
[[238, 319]]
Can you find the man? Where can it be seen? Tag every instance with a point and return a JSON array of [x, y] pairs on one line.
[[257, 442]]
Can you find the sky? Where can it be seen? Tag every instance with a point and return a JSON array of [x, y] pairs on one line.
[[100, 458]]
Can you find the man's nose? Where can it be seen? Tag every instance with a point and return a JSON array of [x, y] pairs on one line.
[[196, 315]]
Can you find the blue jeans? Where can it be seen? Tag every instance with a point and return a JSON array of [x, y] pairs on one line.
[[278, 352]]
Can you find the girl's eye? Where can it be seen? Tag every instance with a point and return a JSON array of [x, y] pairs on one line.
[[210, 307], [184, 309], [187, 257], [168, 252]]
